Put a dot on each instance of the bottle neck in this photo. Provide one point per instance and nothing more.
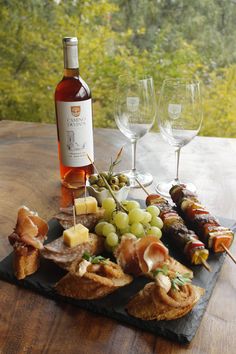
(71, 72)
(71, 61)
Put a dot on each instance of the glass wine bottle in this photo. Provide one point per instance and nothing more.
(73, 104)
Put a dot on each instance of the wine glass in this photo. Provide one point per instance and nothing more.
(135, 112)
(179, 119)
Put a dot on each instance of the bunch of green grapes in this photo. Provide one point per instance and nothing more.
(136, 221)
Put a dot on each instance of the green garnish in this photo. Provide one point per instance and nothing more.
(94, 259)
(164, 270)
(180, 280)
(114, 163)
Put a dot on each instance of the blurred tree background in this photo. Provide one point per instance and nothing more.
(162, 38)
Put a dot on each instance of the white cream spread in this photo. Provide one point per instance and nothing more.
(83, 267)
(163, 281)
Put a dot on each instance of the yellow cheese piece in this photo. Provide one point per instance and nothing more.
(75, 235)
(86, 205)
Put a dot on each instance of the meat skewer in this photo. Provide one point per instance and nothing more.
(215, 237)
(175, 228)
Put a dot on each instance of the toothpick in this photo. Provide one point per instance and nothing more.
(204, 263)
(74, 219)
(228, 253)
(107, 185)
(85, 186)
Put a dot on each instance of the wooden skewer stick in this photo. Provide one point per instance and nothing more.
(228, 253)
(143, 188)
(108, 186)
(204, 263)
(74, 219)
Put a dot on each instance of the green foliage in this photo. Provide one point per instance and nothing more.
(162, 38)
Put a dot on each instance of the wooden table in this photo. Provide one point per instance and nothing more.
(29, 175)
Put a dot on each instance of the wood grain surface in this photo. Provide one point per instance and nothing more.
(29, 175)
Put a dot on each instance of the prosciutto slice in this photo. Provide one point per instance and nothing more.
(30, 229)
(140, 256)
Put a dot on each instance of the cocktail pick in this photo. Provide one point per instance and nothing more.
(204, 263)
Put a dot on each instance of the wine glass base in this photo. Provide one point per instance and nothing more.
(163, 188)
(144, 178)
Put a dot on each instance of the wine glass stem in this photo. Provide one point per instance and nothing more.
(133, 145)
(177, 156)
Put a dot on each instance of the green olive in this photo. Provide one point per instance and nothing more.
(95, 186)
(100, 189)
(123, 179)
(114, 180)
(93, 179)
(105, 175)
(100, 182)
(121, 185)
(114, 187)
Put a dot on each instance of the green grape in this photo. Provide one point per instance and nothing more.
(108, 228)
(132, 204)
(154, 231)
(156, 221)
(126, 230)
(109, 204)
(153, 210)
(99, 227)
(121, 220)
(136, 215)
(112, 239)
(137, 229)
(107, 215)
(128, 234)
(147, 217)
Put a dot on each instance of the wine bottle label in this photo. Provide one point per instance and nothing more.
(75, 132)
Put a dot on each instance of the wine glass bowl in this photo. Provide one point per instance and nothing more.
(179, 119)
(135, 111)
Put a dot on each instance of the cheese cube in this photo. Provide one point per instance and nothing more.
(75, 235)
(86, 205)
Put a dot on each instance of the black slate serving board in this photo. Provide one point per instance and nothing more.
(181, 330)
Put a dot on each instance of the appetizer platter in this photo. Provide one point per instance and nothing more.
(143, 262)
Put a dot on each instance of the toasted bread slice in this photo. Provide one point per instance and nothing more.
(148, 306)
(25, 261)
(98, 281)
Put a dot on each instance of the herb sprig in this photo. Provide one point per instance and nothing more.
(164, 270)
(115, 163)
(180, 280)
(177, 281)
(94, 259)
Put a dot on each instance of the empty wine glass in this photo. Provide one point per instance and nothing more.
(179, 119)
(135, 111)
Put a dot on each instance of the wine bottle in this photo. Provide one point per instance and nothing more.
(73, 104)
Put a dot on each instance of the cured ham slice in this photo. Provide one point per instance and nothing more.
(137, 256)
(27, 239)
(30, 229)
